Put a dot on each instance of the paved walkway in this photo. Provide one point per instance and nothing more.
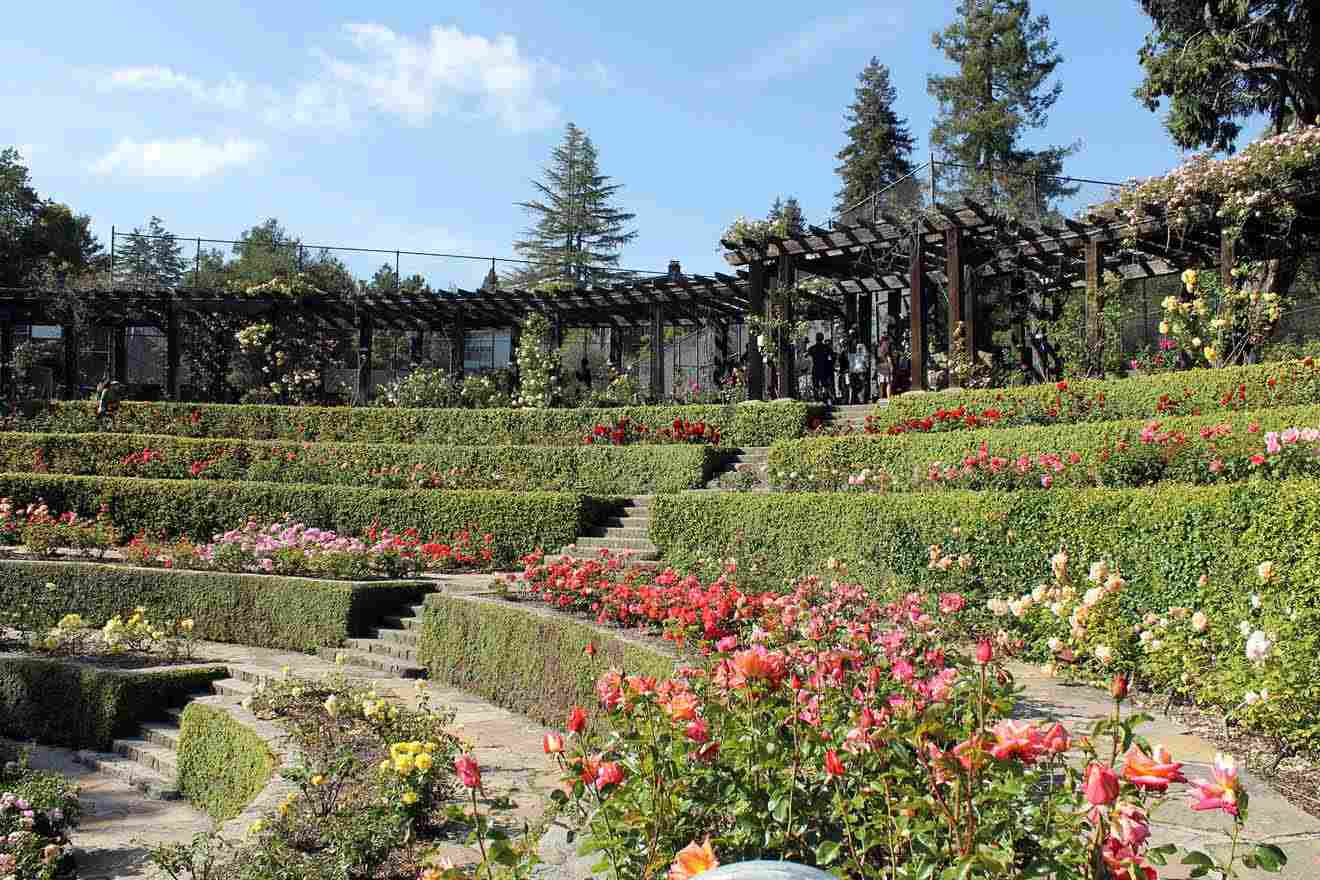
(1272, 819)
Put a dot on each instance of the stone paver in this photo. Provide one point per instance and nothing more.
(119, 823)
(1272, 819)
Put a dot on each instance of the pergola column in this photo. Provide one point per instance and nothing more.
(755, 306)
(1227, 258)
(120, 334)
(616, 348)
(865, 333)
(1095, 303)
(458, 347)
(784, 284)
(657, 351)
(172, 354)
(364, 358)
(953, 269)
(70, 362)
(6, 357)
(917, 310)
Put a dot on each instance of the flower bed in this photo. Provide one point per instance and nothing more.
(1195, 449)
(198, 509)
(1193, 392)
(745, 424)
(37, 811)
(594, 469)
(626, 432)
(850, 733)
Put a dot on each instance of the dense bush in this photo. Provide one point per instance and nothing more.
(249, 609)
(598, 469)
(199, 509)
(84, 707)
(223, 764)
(523, 657)
(37, 810)
(1206, 448)
(746, 424)
(1193, 392)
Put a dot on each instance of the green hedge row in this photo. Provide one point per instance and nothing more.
(746, 424)
(627, 470)
(1190, 392)
(223, 764)
(527, 658)
(197, 509)
(902, 456)
(61, 703)
(265, 611)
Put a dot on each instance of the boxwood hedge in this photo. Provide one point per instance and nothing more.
(527, 658)
(901, 456)
(1190, 392)
(627, 470)
(198, 509)
(223, 764)
(745, 424)
(80, 706)
(265, 611)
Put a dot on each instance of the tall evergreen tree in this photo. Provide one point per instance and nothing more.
(1001, 90)
(149, 259)
(578, 230)
(790, 212)
(879, 148)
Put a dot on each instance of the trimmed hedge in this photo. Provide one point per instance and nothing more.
(266, 611)
(198, 509)
(746, 424)
(628, 470)
(525, 657)
(223, 764)
(61, 703)
(1190, 392)
(901, 456)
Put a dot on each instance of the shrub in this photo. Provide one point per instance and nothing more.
(745, 424)
(1207, 448)
(522, 657)
(1194, 392)
(85, 707)
(520, 521)
(37, 810)
(598, 469)
(260, 610)
(223, 764)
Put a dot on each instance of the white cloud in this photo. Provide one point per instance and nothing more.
(187, 158)
(447, 72)
(231, 94)
(810, 45)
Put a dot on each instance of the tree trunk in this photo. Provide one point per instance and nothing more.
(1275, 275)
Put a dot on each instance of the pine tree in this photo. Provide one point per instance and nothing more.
(1005, 58)
(578, 231)
(790, 212)
(879, 148)
(149, 259)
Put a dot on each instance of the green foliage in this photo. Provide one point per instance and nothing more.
(265, 611)
(223, 764)
(879, 148)
(422, 387)
(746, 424)
(594, 469)
(537, 361)
(1191, 392)
(526, 658)
(85, 707)
(199, 509)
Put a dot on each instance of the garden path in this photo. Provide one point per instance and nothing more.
(1272, 818)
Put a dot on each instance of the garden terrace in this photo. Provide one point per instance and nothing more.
(950, 253)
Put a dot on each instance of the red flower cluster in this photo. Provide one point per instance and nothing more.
(143, 458)
(949, 419)
(627, 431)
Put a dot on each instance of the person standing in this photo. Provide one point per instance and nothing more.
(822, 369)
(858, 364)
(884, 368)
(583, 376)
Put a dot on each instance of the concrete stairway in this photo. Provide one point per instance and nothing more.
(755, 458)
(851, 417)
(392, 647)
(628, 530)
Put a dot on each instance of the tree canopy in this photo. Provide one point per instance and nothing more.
(879, 148)
(40, 240)
(1220, 62)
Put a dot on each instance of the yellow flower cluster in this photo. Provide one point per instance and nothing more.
(287, 804)
(406, 757)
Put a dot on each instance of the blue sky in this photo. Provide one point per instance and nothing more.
(419, 125)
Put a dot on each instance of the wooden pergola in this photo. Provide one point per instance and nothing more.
(954, 247)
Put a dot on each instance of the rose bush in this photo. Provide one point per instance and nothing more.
(37, 811)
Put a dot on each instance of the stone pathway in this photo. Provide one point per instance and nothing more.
(1272, 819)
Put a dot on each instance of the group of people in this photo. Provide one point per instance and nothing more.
(843, 377)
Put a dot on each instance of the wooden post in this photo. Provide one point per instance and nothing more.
(865, 335)
(1095, 303)
(657, 350)
(458, 348)
(171, 354)
(70, 363)
(755, 306)
(364, 359)
(6, 358)
(849, 312)
(917, 308)
(1227, 259)
(787, 363)
(953, 270)
(970, 311)
(616, 349)
(121, 353)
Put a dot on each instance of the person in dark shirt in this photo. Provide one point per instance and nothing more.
(822, 369)
(583, 375)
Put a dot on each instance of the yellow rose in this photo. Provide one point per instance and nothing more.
(1189, 279)
(403, 763)
(1164, 328)
(409, 798)
(1210, 353)
(318, 779)
(423, 761)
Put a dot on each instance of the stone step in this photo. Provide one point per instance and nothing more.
(151, 783)
(402, 636)
(378, 662)
(150, 755)
(642, 502)
(637, 532)
(400, 622)
(640, 557)
(397, 650)
(617, 543)
(626, 522)
(161, 733)
(234, 687)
